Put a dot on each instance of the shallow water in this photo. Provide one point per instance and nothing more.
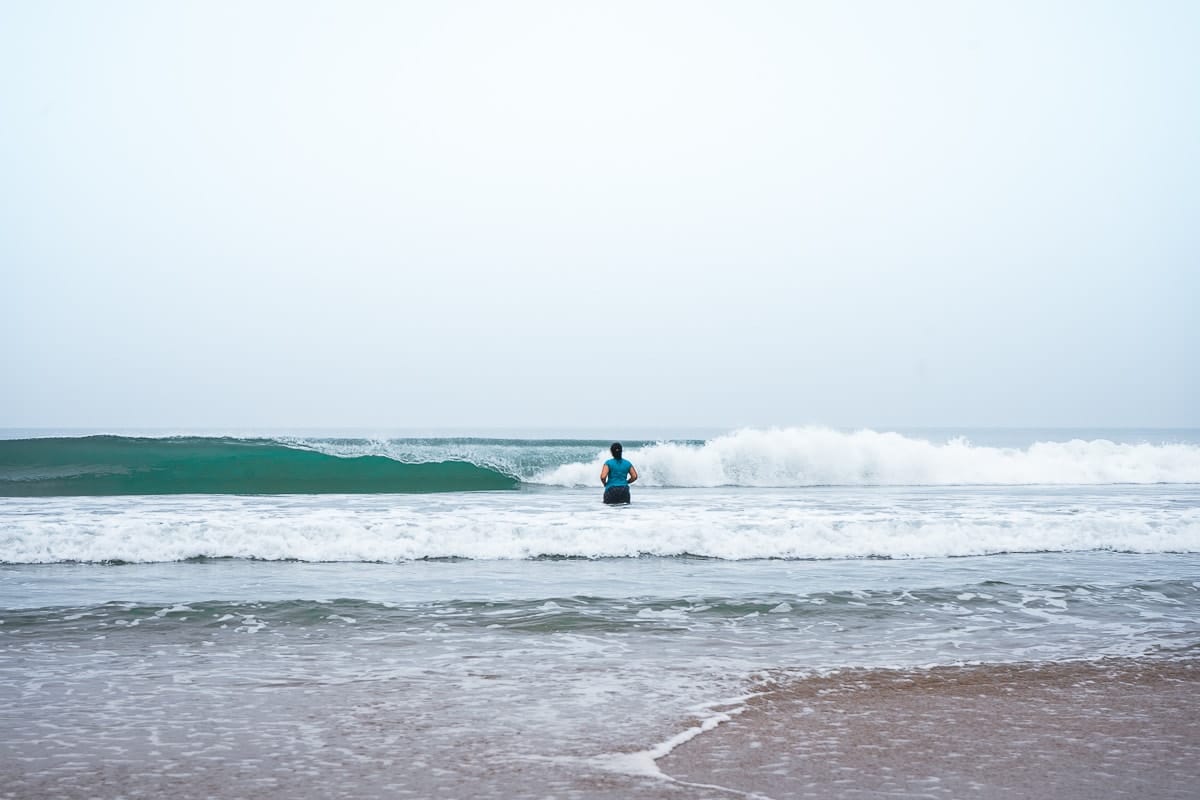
(524, 671)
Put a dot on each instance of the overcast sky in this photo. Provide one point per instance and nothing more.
(568, 214)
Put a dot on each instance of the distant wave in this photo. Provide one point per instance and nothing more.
(824, 457)
(788, 457)
(118, 465)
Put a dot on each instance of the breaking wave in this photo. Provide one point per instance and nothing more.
(825, 457)
(788, 457)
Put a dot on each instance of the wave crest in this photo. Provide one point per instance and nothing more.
(815, 456)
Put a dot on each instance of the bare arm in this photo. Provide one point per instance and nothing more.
(632, 473)
(604, 475)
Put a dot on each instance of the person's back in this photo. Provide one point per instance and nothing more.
(616, 475)
(618, 471)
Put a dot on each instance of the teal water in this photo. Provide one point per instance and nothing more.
(115, 465)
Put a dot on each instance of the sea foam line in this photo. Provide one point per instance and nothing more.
(151, 533)
(644, 763)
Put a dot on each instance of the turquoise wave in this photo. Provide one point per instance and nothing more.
(119, 465)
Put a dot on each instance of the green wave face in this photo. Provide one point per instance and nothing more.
(116, 465)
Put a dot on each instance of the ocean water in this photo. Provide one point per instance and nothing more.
(343, 615)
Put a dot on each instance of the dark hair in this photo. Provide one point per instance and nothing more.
(615, 449)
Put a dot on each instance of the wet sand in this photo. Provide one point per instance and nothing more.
(1122, 728)
(1081, 730)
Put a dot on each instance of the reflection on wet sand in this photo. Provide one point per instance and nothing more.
(1111, 728)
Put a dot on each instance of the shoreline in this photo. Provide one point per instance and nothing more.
(1110, 728)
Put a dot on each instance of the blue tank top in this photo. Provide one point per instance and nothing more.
(618, 472)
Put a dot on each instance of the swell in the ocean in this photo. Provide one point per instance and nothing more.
(118, 465)
(776, 458)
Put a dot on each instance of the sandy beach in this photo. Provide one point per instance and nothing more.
(1116, 728)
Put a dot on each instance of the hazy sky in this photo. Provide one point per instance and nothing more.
(564, 214)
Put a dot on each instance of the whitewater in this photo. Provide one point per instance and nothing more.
(825, 457)
(720, 523)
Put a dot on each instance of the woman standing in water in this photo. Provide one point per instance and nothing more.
(616, 475)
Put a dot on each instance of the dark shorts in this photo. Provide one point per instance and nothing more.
(616, 495)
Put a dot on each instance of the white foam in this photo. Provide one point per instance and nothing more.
(512, 526)
(644, 763)
(815, 456)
